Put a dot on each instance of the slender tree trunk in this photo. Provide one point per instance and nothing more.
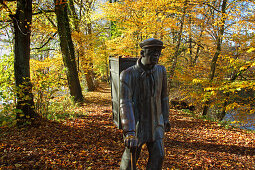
(89, 75)
(22, 31)
(67, 49)
(198, 48)
(219, 40)
(177, 48)
(88, 72)
(190, 41)
(218, 51)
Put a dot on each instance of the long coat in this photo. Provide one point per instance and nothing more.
(144, 103)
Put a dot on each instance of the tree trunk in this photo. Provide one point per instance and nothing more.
(67, 49)
(219, 40)
(22, 31)
(190, 41)
(177, 47)
(198, 48)
(217, 53)
(89, 75)
(88, 72)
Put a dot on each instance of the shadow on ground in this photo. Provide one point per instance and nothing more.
(91, 141)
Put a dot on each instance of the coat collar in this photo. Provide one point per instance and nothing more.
(142, 69)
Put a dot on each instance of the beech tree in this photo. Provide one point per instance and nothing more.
(67, 49)
(177, 50)
(22, 21)
(219, 38)
(84, 60)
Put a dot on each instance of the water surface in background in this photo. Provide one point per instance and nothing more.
(250, 119)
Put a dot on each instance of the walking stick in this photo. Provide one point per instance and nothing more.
(133, 158)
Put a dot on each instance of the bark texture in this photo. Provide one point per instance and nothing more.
(67, 49)
(177, 47)
(219, 39)
(81, 50)
(22, 30)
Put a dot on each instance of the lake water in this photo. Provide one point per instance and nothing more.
(250, 119)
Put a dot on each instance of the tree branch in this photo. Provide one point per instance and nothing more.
(195, 42)
(211, 6)
(234, 77)
(53, 24)
(43, 11)
(45, 42)
(48, 49)
(5, 6)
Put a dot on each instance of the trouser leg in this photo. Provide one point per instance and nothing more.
(156, 155)
(125, 163)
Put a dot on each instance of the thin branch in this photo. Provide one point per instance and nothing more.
(211, 6)
(211, 34)
(80, 11)
(195, 42)
(48, 49)
(43, 11)
(6, 7)
(54, 25)
(234, 77)
(37, 48)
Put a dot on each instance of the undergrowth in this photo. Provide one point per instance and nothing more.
(58, 109)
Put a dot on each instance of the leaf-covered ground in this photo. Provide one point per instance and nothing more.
(91, 141)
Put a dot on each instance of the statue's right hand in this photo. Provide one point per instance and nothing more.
(131, 140)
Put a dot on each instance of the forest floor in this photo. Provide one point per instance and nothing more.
(91, 141)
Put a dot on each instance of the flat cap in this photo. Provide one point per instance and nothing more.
(151, 42)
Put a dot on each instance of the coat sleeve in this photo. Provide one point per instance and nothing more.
(164, 97)
(126, 106)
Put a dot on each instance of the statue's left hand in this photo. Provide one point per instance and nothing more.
(131, 141)
(167, 126)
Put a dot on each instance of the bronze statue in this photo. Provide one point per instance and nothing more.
(144, 107)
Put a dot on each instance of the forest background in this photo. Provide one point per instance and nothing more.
(60, 46)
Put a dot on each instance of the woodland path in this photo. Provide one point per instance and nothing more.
(91, 141)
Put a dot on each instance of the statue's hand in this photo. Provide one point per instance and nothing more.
(131, 140)
(167, 126)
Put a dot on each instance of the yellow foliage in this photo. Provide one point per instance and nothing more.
(251, 50)
(47, 77)
(197, 81)
(138, 20)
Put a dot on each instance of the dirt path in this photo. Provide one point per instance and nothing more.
(91, 141)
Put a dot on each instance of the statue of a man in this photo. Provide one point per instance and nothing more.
(144, 106)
